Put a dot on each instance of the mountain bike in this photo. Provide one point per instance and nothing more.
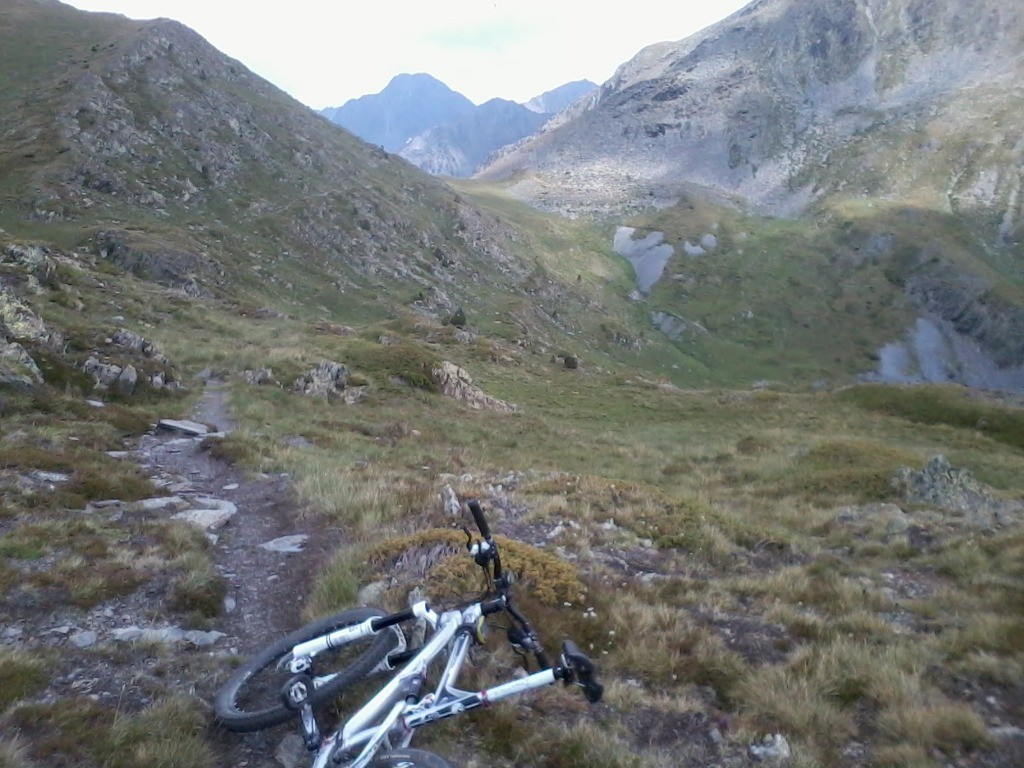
(315, 664)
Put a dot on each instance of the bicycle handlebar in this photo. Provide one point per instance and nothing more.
(488, 557)
(479, 519)
(578, 667)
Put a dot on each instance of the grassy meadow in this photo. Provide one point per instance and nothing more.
(739, 552)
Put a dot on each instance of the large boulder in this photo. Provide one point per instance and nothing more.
(183, 268)
(134, 342)
(19, 323)
(104, 374)
(33, 259)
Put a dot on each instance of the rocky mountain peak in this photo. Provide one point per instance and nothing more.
(409, 105)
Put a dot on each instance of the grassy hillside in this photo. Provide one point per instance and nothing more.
(816, 298)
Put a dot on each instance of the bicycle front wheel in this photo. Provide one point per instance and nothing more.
(409, 758)
(251, 698)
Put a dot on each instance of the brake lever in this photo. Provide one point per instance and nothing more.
(582, 671)
(517, 639)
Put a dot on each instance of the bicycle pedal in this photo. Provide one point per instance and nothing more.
(296, 692)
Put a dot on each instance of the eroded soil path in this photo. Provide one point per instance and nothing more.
(265, 588)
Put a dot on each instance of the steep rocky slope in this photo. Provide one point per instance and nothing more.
(557, 99)
(892, 128)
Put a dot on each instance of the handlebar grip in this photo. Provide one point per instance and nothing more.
(478, 518)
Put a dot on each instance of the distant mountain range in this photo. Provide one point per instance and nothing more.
(441, 131)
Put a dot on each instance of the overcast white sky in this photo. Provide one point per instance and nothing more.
(325, 52)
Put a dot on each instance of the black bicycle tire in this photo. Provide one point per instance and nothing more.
(409, 758)
(225, 704)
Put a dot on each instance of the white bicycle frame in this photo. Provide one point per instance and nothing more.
(389, 718)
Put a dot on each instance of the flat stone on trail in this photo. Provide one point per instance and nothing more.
(84, 639)
(215, 514)
(160, 502)
(287, 544)
(127, 634)
(291, 752)
(209, 502)
(167, 635)
(188, 427)
(50, 477)
(200, 638)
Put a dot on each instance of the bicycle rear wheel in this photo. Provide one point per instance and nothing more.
(409, 758)
(250, 700)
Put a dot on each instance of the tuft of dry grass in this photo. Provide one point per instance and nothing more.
(86, 583)
(583, 745)
(336, 587)
(22, 672)
(361, 498)
(780, 700)
(167, 733)
(934, 724)
(198, 588)
(71, 731)
(14, 753)
(856, 471)
(437, 558)
(665, 649)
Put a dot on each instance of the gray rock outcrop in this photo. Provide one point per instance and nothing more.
(327, 379)
(111, 377)
(455, 382)
(781, 102)
(17, 368)
(956, 490)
